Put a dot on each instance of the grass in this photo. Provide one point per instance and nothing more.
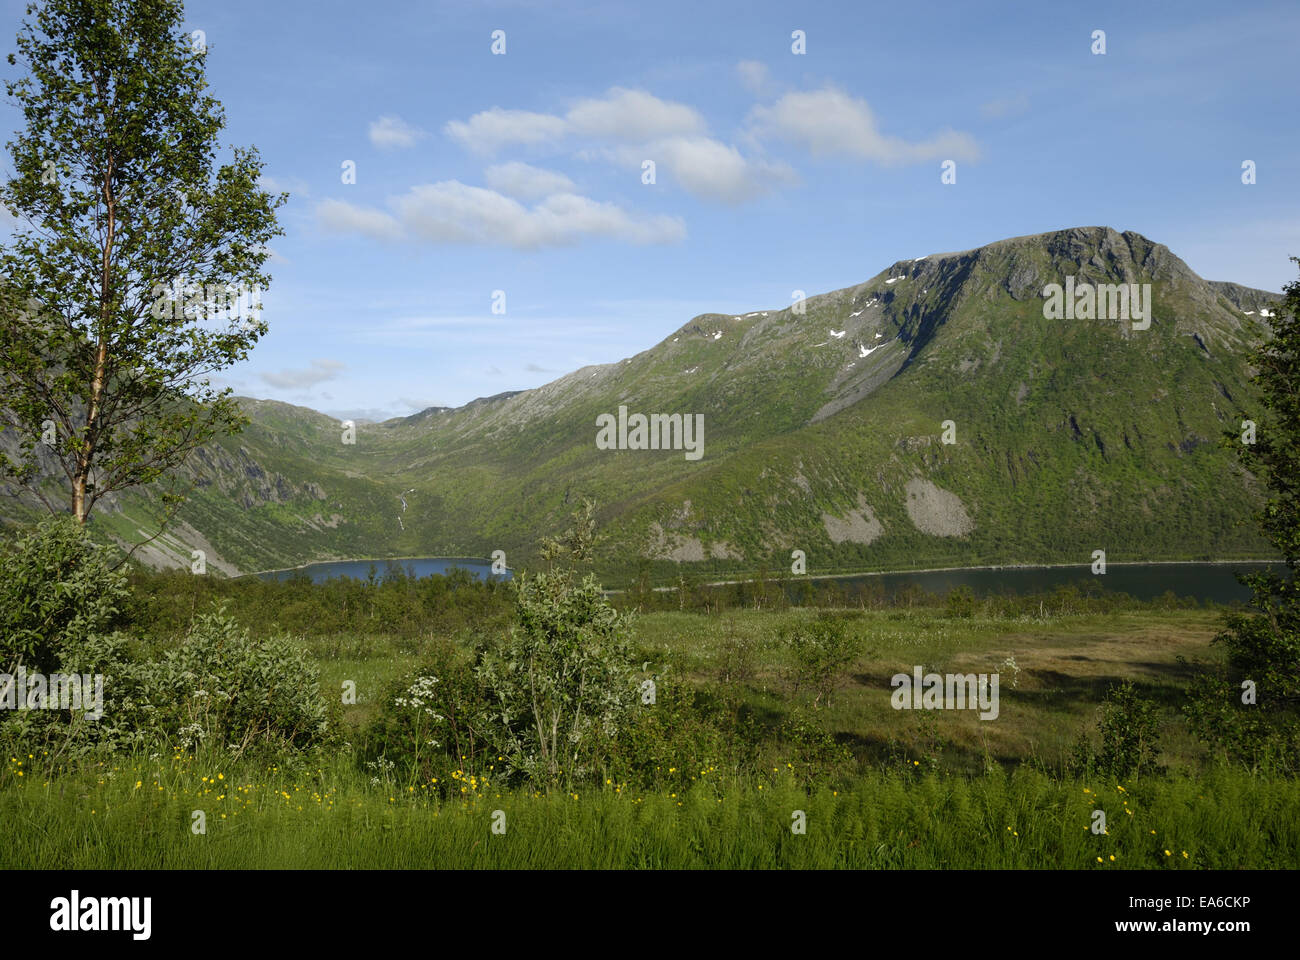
(924, 789)
(140, 815)
(1066, 664)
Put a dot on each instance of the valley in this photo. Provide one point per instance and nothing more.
(833, 445)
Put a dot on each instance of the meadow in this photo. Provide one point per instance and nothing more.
(757, 770)
(139, 816)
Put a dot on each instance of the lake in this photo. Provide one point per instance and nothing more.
(1145, 581)
(415, 567)
(1204, 581)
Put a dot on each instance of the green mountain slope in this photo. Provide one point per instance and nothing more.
(822, 432)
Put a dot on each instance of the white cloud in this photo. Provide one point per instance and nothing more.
(392, 132)
(707, 168)
(318, 372)
(453, 212)
(620, 115)
(830, 121)
(365, 414)
(490, 130)
(339, 216)
(633, 126)
(753, 75)
(526, 182)
(633, 115)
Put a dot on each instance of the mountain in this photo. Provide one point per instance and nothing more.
(823, 432)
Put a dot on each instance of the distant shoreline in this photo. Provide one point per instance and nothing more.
(817, 576)
(987, 566)
(374, 560)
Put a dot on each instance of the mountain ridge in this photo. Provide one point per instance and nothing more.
(823, 433)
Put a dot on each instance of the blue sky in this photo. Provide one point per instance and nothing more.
(775, 171)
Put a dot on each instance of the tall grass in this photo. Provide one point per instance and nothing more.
(139, 814)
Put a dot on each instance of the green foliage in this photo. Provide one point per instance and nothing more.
(561, 679)
(1263, 647)
(683, 734)
(118, 197)
(814, 753)
(1129, 739)
(1240, 731)
(433, 724)
(823, 652)
(222, 689)
(737, 658)
(57, 591)
(163, 604)
(103, 723)
(59, 597)
(961, 602)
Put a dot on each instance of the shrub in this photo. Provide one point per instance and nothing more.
(960, 602)
(560, 681)
(813, 752)
(1127, 726)
(222, 689)
(737, 657)
(823, 651)
(59, 597)
(433, 725)
(57, 589)
(680, 735)
(1236, 726)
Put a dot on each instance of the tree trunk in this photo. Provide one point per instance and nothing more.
(86, 456)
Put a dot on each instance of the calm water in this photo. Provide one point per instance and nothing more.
(1205, 581)
(360, 569)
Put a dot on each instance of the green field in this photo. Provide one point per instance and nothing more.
(328, 817)
(919, 789)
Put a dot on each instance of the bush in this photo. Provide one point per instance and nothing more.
(737, 657)
(59, 597)
(814, 753)
(823, 651)
(681, 735)
(433, 726)
(561, 681)
(1128, 732)
(57, 589)
(960, 602)
(222, 689)
(1263, 648)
